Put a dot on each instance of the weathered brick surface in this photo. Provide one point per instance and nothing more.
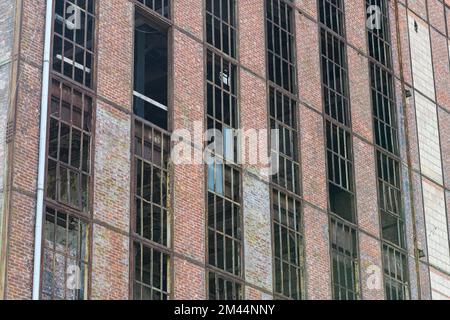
(419, 7)
(187, 14)
(252, 45)
(355, 12)
(440, 47)
(318, 273)
(112, 167)
(254, 294)
(444, 130)
(110, 264)
(371, 268)
(189, 281)
(366, 187)
(437, 15)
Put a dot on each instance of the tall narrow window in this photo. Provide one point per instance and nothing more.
(224, 236)
(285, 184)
(221, 25)
(150, 72)
(73, 40)
(150, 223)
(385, 126)
(343, 228)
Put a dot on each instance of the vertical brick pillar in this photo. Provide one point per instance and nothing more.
(112, 167)
(254, 114)
(189, 201)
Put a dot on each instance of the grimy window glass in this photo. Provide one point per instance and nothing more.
(287, 226)
(282, 118)
(152, 148)
(150, 72)
(65, 265)
(151, 273)
(280, 44)
(160, 6)
(221, 25)
(285, 184)
(344, 257)
(69, 146)
(73, 40)
(342, 211)
(224, 230)
(387, 151)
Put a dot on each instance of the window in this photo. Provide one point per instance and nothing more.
(66, 257)
(152, 149)
(379, 37)
(73, 40)
(280, 44)
(150, 73)
(387, 152)
(344, 255)
(282, 118)
(335, 78)
(395, 273)
(222, 106)
(69, 146)
(151, 271)
(332, 15)
(223, 289)
(160, 6)
(288, 241)
(340, 171)
(343, 234)
(385, 119)
(221, 25)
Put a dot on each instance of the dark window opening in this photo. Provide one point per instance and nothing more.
(221, 25)
(395, 274)
(221, 288)
(332, 15)
(150, 73)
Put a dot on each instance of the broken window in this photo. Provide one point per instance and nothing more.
(387, 152)
(220, 288)
(69, 147)
(151, 273)
(160, 6)
(395, 273)
(73, 40)
(150, 72)
(343, 234)
(152, 148)
(340, 171)
(288, 242)
(344, 255)
(65, 258)
(221, 25)
(281, 44)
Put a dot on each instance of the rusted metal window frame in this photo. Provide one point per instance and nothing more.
(226, 18)
(151, 4)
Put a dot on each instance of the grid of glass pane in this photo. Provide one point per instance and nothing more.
(288, 245)
(160, 6)
(152, 148)
(378, 31)
(73, 40)
(69, 167)
(280, 44)
(151, 270)
(221, 288)
(221, 25)
(384, 112)
(335, 77)
(388, 163)
(282, 118)
(224, 235)
(332, 15)
(396, 273)
(344, 256)
(65, 264)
